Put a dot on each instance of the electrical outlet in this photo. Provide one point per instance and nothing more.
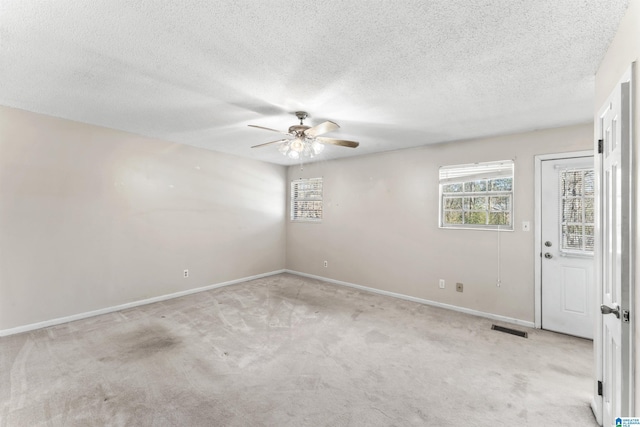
(186, 274)
(441, 283)
(326, 264)
(459, 287)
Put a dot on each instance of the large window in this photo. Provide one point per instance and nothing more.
(478, 195)
(306, 199)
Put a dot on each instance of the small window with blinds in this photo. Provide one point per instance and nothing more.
(478, 195)
(306, 200)
(577, 211)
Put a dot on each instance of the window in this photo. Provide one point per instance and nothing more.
(478, 195)
(306, 199)
(577, 211)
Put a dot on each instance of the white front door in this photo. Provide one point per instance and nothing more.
(613, 252)
(568, 233)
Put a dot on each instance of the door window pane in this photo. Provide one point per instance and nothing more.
(577, 210)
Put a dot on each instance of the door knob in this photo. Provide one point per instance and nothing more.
(548, 255)
(547, 244)
(605, 309)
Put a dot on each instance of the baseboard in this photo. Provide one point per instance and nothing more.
(420, 300)
(79, 316)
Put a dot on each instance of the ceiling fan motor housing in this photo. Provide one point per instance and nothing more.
(298, 130)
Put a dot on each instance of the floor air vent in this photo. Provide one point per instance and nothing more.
(509, 331)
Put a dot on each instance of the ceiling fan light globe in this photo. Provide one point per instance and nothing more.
(317, 147)
(293, 154)
(307, 152)
(297, 145)
(284, 148)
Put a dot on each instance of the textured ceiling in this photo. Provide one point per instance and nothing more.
(393, 74)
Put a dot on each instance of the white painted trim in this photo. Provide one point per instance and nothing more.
(419, 300)
(634, 232)
(538, 225)
(79, 316)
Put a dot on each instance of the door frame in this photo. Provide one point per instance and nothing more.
(538, 223)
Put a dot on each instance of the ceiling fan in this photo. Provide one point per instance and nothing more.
(305, 140)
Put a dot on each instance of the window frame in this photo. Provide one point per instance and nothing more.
(295, 198)
(472, 174)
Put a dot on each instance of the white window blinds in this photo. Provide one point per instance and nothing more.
(577, 210)
(476, 171)
(306, 199)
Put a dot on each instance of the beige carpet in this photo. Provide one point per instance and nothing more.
(291, 351)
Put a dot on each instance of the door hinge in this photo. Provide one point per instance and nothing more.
(600, 147)
(599, 388)
(625, 316)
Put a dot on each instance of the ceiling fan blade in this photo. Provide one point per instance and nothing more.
(340, 142)
(267, 143)
(320, 129)
(272, 130)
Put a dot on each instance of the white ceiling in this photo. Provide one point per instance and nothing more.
(393, 74)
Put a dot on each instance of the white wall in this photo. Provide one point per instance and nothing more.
(625, 49)
(92, 218)
(380, 226)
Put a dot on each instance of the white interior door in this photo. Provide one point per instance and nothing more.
(614, 253)
(568, 235)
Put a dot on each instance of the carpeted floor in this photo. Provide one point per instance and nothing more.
(291, 351)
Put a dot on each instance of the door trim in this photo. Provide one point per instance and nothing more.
(538, 224)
